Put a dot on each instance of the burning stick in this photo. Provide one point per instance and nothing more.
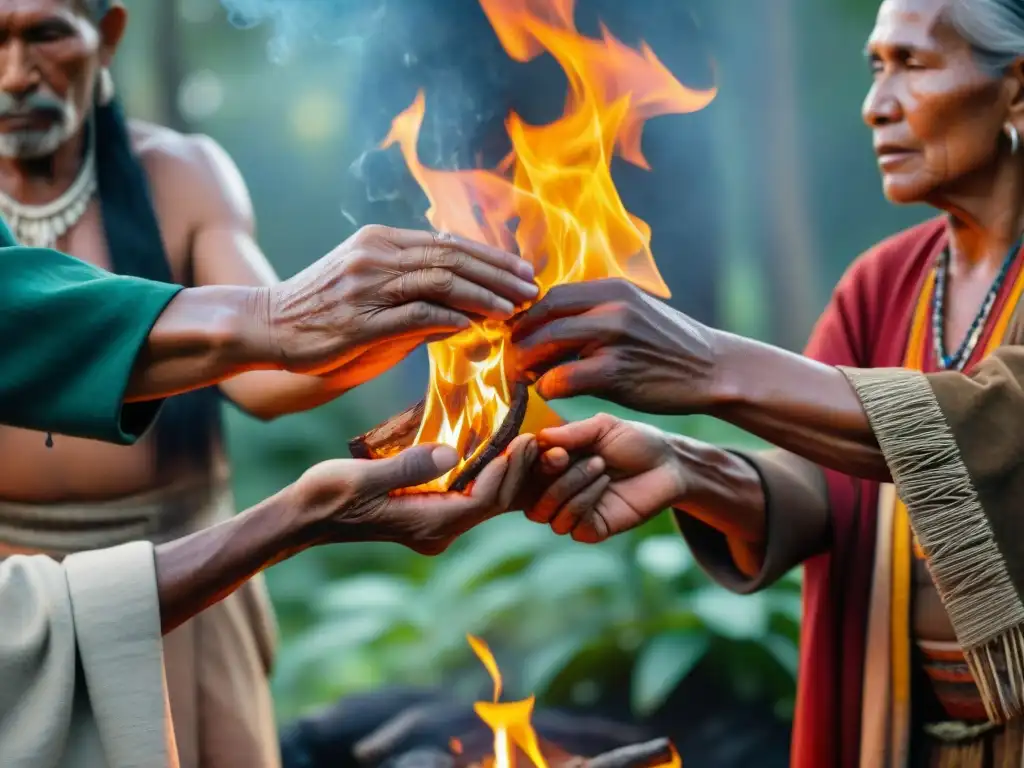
(399, 431)
(646, 755)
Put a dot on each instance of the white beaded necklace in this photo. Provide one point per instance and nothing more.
(40, 226)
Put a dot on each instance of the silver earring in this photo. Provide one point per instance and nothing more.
(105, 88)
(1014, 136)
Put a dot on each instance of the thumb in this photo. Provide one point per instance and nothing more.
(413, 466)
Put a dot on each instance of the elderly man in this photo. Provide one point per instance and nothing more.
(87, 353)
(146, 201)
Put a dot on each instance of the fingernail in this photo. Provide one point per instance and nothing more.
(596, 464)
(444, 457)
(531, 289)
(505, 307)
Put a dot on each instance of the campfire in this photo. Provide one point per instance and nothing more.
(514, 734)
(552, 199)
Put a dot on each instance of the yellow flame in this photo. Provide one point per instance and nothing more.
(511, 721)
(552, 197)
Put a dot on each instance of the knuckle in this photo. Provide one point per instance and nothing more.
(439, 281)
(419, 313)
(358, 263)
(368, 233)
(623, 288)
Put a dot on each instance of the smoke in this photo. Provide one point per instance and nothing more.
(296, 22)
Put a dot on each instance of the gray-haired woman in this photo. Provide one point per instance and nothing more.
(911, 654)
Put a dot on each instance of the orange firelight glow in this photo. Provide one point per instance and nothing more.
(552, 197)
(510, 721)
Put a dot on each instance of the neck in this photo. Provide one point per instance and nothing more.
(40, 180)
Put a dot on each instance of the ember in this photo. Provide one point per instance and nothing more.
(553, 199)
(511, 724)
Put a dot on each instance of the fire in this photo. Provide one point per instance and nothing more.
(510, 721)
(552, 197)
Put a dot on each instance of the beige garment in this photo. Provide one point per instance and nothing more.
(217, 663)
(80, 662)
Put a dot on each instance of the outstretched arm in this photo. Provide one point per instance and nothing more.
(80, 342)
(225, 252)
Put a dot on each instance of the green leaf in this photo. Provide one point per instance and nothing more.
(666, 557)
(373, 592)
(491, 545)
(784, 651)
(662, 664)
(737, 617)
(542, 666)
(576, 569)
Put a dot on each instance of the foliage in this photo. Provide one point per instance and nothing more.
(565, 615)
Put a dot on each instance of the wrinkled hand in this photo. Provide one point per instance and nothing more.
(352, 500)
(642, 476)
(385, 291)
(609, 339)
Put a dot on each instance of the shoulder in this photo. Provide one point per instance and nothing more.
(192, 169)
(897, 258)
(894, 266)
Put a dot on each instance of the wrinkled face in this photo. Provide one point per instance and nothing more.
(936, 118)
(49, 64)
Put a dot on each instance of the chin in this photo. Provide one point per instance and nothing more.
(903, 190)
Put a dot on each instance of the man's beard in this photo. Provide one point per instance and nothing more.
(35, 145)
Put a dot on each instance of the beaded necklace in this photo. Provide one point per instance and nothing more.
(959, 358)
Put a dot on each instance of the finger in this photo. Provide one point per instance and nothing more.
(413, 466)
(446, 289)
(456, 513)
(418, 317)
(567, 300)
(503, 282)
(581, 474)
(574, 510)
(576, 436)
(565, 339)
(522, 453)
(592, 376)
(554, 461)
(408, 239)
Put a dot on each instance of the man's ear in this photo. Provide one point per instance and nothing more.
(111, 28)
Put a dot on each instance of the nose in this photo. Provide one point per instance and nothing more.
(881, 107)
(18, 74)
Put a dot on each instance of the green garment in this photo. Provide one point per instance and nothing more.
(80, 647)
(71, 333)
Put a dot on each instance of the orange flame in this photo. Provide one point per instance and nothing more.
(510, 721)
(557, 184)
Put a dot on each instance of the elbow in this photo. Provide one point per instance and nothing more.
(264, 413)
(261, 409)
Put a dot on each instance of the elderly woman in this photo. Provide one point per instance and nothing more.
(912, 641)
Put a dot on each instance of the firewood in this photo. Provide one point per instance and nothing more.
(646, 755)
(398, 433)
(499, 441)
(389, 437)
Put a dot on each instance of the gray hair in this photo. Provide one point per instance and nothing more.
(993, 28)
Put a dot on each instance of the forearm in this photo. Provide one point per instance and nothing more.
(196, 571)
(796, 403)
(750, 518)
(724, 492)
(270, 394)
(205, 335)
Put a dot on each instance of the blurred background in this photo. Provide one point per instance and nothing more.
(757, 204)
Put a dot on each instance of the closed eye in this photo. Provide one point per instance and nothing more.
(48, 31)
